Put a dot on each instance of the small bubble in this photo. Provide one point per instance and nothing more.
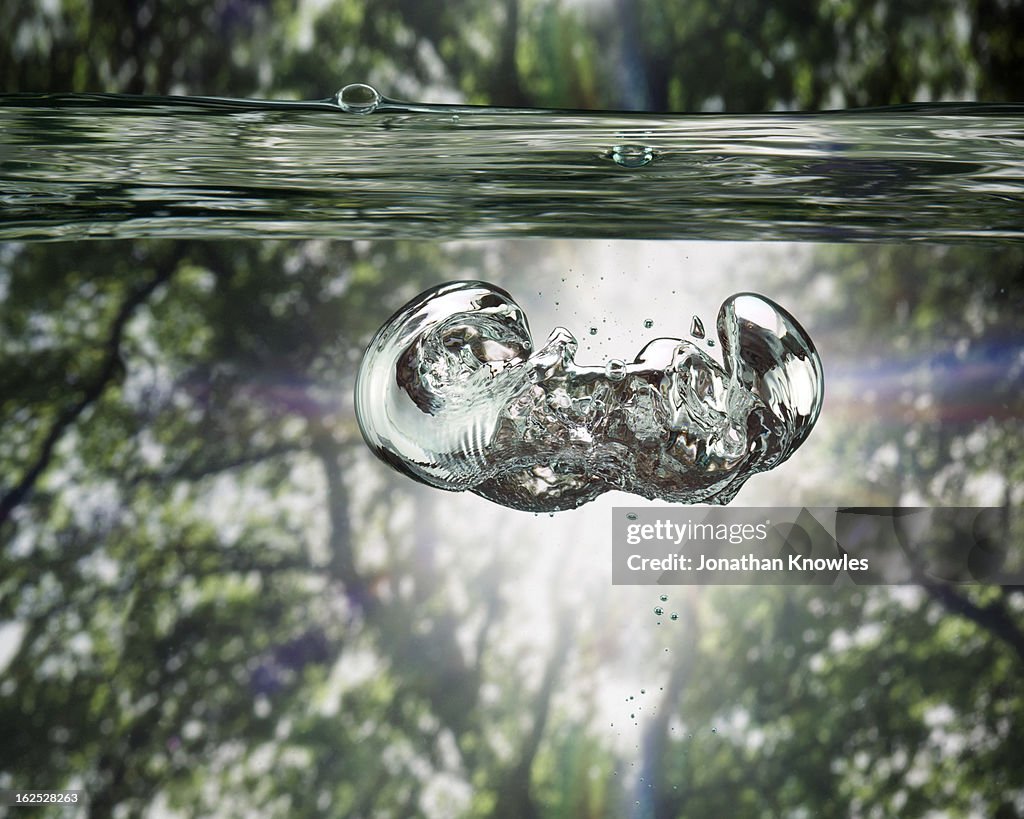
(593, 331)
(663, 598)
(615, 369)
(648, 323)
(711, 342)
(659, 610)
(632, 716)
(697, 328)
(673, 616)
(643, 690)
(631, 156)
(714, 730)
(455, 119)
(631, 516)
(358, 98)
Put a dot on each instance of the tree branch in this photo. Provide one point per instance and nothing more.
(92, 391)
(994, 617)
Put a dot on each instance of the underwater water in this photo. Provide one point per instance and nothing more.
(452, 392)
(360, 166)
(664, 377)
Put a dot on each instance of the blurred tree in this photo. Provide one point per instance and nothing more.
(180, 473)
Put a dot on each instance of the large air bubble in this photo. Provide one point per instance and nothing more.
(452, 393)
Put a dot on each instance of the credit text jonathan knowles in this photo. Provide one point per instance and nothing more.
(668, 532)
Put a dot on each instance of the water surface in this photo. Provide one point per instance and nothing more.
(80, 166)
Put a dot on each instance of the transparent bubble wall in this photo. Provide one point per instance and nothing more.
(452, 392)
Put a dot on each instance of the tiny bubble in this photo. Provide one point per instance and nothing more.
(648, 323)
(631, 516)
(674, 616)
(615, 369)
(663, 598)
(643, 690)
(630, 156)
(714, 730)
(593, 331)
(659, 610)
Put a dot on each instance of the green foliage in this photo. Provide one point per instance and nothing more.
(215, 602)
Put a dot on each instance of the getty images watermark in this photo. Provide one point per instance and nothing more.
(812, 546)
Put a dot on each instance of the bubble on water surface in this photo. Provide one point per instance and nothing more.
(358, 98)
(631, 156)
(452, 393)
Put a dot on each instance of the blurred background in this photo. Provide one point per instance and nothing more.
(214, 601)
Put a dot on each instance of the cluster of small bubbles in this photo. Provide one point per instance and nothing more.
(673, 616)
(615, 370)
(358, 98)
(659, 610)
(631, 156)
(697, 328)
(648, 324)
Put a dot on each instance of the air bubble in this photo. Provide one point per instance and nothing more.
(358, 98)
(631, 516)
(453, 392)
(631, 156)
(697, 328)
(673, 616)
(663, 598)
(659, 610)
(648, 324)
(615, 369)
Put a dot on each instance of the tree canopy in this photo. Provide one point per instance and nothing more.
(214, 601)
